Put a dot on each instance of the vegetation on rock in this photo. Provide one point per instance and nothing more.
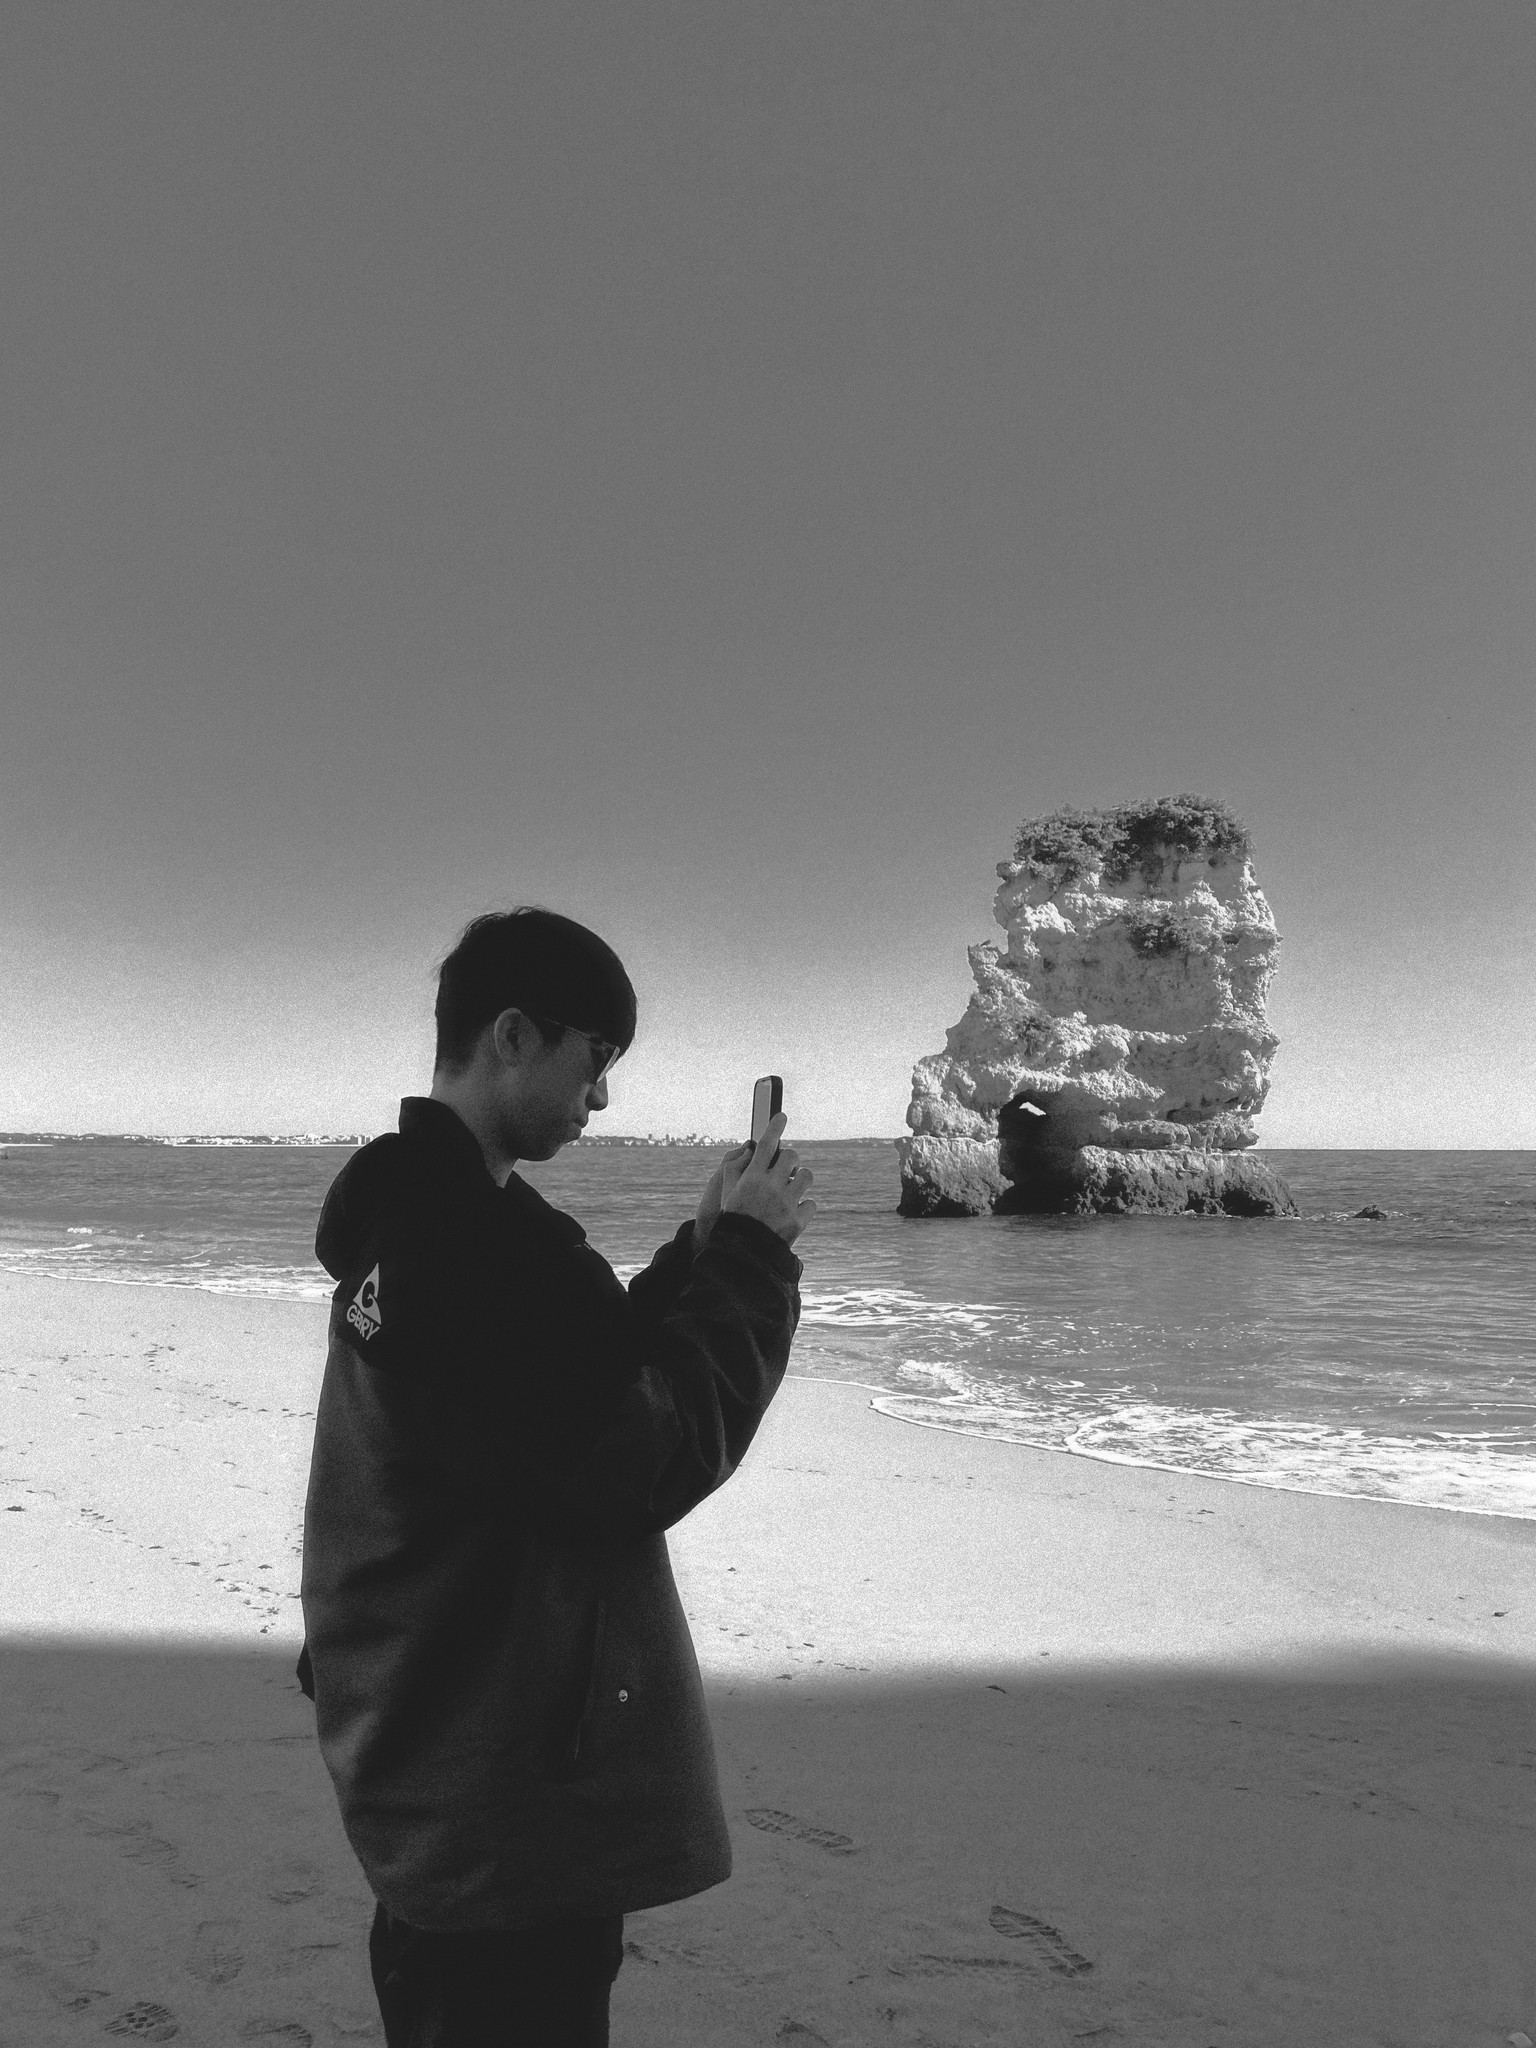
(1071, 843)
(1154, 932)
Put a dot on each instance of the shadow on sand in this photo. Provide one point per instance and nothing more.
(1011, 1855)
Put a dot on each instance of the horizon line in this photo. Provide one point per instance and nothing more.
(316, 1140)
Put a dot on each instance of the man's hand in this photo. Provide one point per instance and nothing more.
(778, 1195)
(727, 1172)
(744, 1182)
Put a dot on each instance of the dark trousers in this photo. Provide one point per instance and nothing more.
(497, 1987)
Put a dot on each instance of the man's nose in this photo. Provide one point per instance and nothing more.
(599, 1092)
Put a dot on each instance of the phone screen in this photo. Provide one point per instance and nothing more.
(767, 1101)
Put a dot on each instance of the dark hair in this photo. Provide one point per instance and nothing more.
(534, 960)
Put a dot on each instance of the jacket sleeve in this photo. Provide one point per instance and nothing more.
(706, 1377)
(608, 1418)
(653, 1290)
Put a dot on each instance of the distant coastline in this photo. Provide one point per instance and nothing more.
(23, 1138)
(316, 1139)
(20, 1140)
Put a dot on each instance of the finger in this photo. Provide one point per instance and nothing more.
(773, 1130)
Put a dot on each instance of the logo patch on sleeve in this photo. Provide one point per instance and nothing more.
(364, 1314)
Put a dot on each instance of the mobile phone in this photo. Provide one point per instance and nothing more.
(767, 1101)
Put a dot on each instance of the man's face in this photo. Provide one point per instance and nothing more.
(548, 1092)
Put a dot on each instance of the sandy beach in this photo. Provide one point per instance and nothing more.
(1016, 1747)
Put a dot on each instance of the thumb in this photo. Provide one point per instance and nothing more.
(737, 1162)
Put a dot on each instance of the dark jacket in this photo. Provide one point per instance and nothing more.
(506, 1693)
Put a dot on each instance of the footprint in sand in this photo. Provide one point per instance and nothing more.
(955, 1966)
(39, 1798)
(144, 2022)
(774, 1823)
(1045, 1943)
(88, 1760)
(49, 1931)
(215, 1957)
(134, 1839)
(351, 2023)
(677, 1951)
(289, 1884)
(81, 2001)
(277, 2030)
(292, 1962)
(657, 1950)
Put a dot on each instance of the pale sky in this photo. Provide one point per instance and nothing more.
(713, 470)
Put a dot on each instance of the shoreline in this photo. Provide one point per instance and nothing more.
(879, 1394)
(1439, 1507)
(157, 1436)
(1143, 1464)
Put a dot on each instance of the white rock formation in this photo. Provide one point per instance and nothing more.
(1115, 1052)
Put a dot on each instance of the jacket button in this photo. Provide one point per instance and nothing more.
(623, 1695)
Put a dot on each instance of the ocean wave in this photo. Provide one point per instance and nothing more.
(900, 1308)
(951, 1376)
(85, 1262)
(1483, 1472)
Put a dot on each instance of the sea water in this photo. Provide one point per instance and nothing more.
(1385, 1358)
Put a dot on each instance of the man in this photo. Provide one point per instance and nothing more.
(506, 1693)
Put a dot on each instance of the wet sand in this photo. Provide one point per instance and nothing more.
(1016, 1747)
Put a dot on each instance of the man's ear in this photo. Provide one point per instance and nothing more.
(509, 1036)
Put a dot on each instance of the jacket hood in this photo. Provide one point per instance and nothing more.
(433, 1144)
(369, 1182)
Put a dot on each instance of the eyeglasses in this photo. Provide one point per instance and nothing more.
(606, 1053)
